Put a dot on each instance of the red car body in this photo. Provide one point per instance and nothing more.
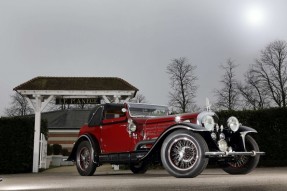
(113, 135)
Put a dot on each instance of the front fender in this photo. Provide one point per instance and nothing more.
(245, 129)
(85, 137)
(160, 139)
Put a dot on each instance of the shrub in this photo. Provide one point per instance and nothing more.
(16, 144)
(65, 152)
(57, 149)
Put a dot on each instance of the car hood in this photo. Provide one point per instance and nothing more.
(170, 118)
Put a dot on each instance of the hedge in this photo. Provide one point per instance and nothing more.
(271, 125)
(16, 144)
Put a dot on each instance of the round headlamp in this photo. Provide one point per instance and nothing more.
(208, 122)
(222, 145)
(233, 123)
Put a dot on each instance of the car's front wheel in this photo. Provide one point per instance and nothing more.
(85, 158)
(183, 154)
(243, 164)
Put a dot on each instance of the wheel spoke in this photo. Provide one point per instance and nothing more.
(84, 158)
(240, 161)
(183, 153)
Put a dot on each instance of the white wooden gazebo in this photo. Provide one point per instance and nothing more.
(40, 91)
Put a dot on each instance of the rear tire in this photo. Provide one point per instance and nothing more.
(85, 158)
(244, 164)
(139, 168)
(183, 154)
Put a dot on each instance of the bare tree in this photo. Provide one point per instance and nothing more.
(271, 70)
(19, 106)
(252, 92)
(139, 98)
(182, 82)
(227, 96)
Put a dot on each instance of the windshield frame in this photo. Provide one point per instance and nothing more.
(147, 106)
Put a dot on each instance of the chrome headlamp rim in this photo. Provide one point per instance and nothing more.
(208, 122)
(233, 123)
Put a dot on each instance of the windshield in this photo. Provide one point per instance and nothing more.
(145, 110)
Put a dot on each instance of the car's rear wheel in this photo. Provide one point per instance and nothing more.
(183, 154)
(85, 158)
(139, 168)
(244, 164)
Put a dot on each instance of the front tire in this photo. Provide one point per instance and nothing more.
(183, 154)
(244, 164)
(85, 158)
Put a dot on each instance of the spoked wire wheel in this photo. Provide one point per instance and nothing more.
(243, 164)
(85, 159)
(183, 154)
(239, 161)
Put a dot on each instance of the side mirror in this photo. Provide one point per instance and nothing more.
(124, 110)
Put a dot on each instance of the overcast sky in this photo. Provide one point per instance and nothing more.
(134, 40)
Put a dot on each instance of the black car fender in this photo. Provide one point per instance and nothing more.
(92, 141)
(243, 131)
(158, 142)
(246, 130)
(238, 137)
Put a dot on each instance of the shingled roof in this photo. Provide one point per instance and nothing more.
(76, 83)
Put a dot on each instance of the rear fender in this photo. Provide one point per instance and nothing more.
(92, 141)
(161, 138)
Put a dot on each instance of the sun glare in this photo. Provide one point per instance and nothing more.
(255, 16)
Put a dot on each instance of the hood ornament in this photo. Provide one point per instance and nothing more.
(208, 105)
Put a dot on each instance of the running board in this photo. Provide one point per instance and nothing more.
(122, 158)
(223, 154)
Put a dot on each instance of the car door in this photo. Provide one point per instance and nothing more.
(115, 137)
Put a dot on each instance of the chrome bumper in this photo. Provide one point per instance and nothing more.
(224, 154)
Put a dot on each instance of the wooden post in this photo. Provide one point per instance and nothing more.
(36, 152)
(38, 107)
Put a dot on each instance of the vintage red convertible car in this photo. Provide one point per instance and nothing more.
(140, 134)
